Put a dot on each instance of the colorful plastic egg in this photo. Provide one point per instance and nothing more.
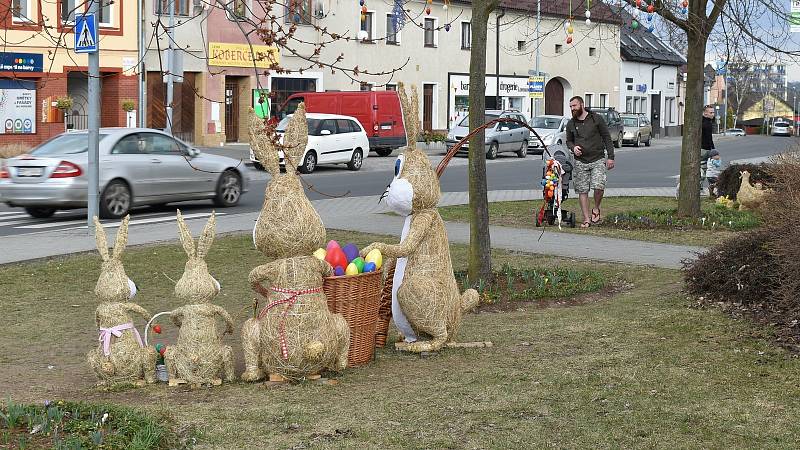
(369, 267)
(338, 271)
(352, 269)
(320, 254)
(375, 257)
(331, 244)
(359, 262)
(336, 257)
(350, 251)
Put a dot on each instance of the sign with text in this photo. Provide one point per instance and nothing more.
(794, 17)
(242, 55)
(536, 87)
(21, 62)
(17, 111)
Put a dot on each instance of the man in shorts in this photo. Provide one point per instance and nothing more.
(590, 142)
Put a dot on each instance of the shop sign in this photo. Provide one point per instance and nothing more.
(17, 111)
(21, 62)
(536, 87)
(242, 55)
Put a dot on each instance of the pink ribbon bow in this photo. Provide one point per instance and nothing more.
(293, 297)
(106, 333)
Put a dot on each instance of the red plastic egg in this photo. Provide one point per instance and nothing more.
(157, 329)
(569, 39)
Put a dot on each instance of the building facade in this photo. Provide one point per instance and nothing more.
(39, 71)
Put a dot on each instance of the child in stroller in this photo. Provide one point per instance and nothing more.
(547, 213)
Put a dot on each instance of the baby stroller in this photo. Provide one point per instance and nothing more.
(547, 213)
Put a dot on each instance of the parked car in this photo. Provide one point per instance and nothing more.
(781, 129)
(502, 137)
(138, 166)
(378, 112)
(614, 123)
(734, 132)
(636, 129)
(552, 130)
(332, 139)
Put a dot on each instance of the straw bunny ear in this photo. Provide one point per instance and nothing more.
(100, 238)
(122, 237)
(410, 113)
(207, 238)
(186, 237)
(261, 142)
(296, 137)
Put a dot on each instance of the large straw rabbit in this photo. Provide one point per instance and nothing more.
(199, 356)
(120, 356)
(425, 297)
(294, 335)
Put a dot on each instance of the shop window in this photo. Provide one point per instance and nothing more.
(392, 33)
(466, 35)
(21, 10)
(162, 7)
(299, 12)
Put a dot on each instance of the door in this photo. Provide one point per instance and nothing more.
(554, 98)
(131, 156)
(330, 146)
(427, 107)
(347, 138)
(655, 114)
(173, 172)
(231, 111)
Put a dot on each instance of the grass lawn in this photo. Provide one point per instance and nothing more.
(627, 211)
(634, 369)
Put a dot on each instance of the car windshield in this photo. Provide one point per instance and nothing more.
(313, 124)
(603, 114)
(630, 121)
(65, 144)
(551, 123)
(488, 118)
(781, 124)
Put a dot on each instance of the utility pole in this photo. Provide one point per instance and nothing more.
(94, 126)
(142, 120)
(171, 64)
(538, 73)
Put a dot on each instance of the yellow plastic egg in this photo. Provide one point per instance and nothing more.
(320, 254)
(352, 269)
(375, 257)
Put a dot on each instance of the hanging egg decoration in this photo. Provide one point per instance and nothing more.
(570, 29)
(428, 8)
(634, 24)
(650, 29)
(650, 9)
(588, 15)
(447, 27)
(361, 2)
(638, 3)
(569, 39)
(649, 17)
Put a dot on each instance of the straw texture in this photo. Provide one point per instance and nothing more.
(127, 360)
(293, 335)
(199, 357)
(428, 294)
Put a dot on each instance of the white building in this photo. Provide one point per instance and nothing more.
(649, 79)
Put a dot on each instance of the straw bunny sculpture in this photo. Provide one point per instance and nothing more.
(199, 356)
(120, 356)
(294, 335)
(425, 297)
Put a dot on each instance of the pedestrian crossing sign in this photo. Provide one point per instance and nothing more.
(85, 33)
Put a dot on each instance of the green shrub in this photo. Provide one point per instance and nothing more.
(428, 136)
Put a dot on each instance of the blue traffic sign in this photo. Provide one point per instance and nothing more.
(85, 33)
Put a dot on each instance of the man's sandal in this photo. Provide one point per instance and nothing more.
(596, 219)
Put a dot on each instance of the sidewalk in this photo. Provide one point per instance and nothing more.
(365, 214)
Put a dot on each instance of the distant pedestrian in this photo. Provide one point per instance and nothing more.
(706, 140)
(713, 169)
(590, 142)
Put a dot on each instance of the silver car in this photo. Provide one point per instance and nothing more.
(138, 166)
(636, 129)
(552, 130)
(502, 137)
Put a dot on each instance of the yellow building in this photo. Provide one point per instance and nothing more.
(38, 67)
(769, 106)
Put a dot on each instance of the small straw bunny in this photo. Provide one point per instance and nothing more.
(425, 297)
(120, 357)
(294, 335)
(199, 356)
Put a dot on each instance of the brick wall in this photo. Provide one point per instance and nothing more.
(116, 88)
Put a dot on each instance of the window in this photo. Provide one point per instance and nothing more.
(466, 35)
(592, 51)
(161, 145)
(329, 125)
(366, 25)
(236, 10)
(133, 144)
(587, 99)
(603, 100)
(354, 127)
(630, 87)
(392, 34)
(344, 126)
(298, 11)
(669, 104)
(21, 10)
(391, 87)
(105, 17)
(629, 80)
(68, 8)
(181, 7)
(629, 104)
(430, 32)
(558, 49)
(521, 46)
(366, 86)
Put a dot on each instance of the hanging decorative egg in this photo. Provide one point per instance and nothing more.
(638, 3)
(649, 17)
(363, 17)
(428, 10)
(588, 22)
(447, 27)
(569, 39)
(634, 24)
(361, 2)
(364, 9)
(650, 29)
(588, 14)
(651, 8)
(444, 7)
(685, 11)
(685, 3)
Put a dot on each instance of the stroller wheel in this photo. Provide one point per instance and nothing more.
(571, 220)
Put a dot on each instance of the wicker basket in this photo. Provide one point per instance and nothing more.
(385, 309)
(356, 297)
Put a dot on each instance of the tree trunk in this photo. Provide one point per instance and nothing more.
(689, 191)
(480, 255)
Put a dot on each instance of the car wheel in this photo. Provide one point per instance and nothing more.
(40, 213)
(523, 152)
(356, 160)
(258, 166)
(384, 151)
(492, 152)
(309, 163)
(229, 189)
(638, 140)
(116, 200)
(618, 143)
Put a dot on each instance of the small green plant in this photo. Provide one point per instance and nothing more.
(64, 103)
(128, 105)
(529, 284)
(428, 136)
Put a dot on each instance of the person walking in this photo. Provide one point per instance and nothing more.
(706, 141)
(589, 140)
